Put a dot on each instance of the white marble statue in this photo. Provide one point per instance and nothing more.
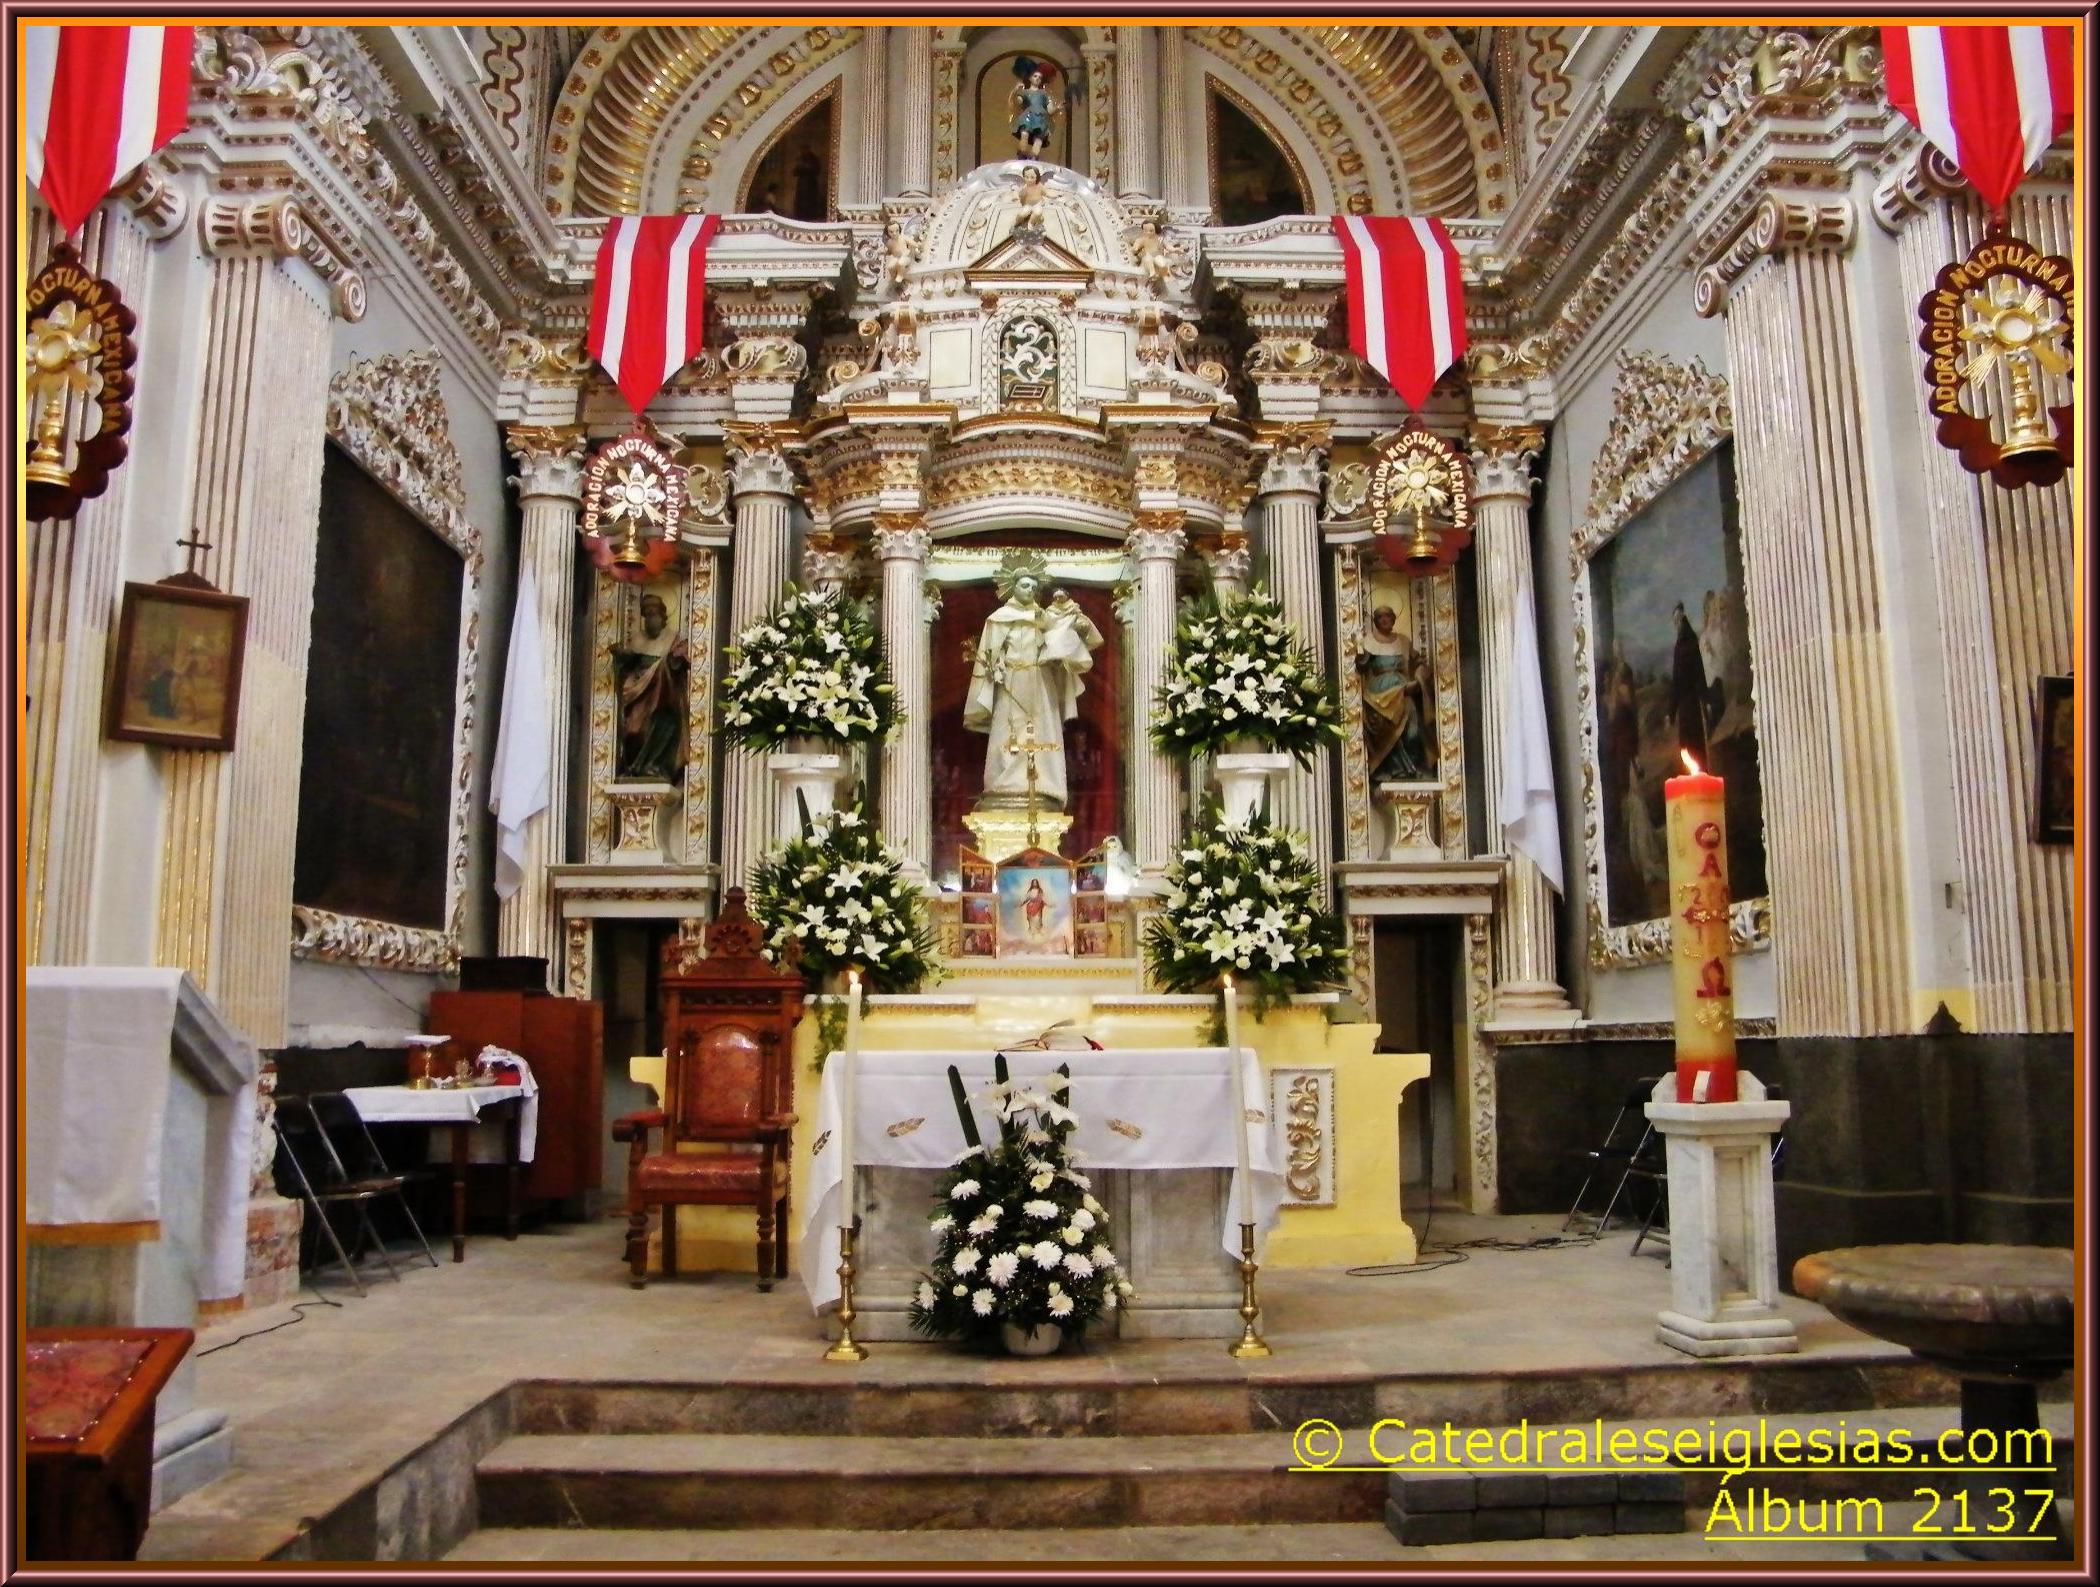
(1025, 685)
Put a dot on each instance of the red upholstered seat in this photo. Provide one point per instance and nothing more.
(729, 1029)
(735, 1176)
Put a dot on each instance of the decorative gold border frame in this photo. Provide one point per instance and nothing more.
(1666, 417)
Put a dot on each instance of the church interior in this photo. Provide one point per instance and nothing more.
(850, 794)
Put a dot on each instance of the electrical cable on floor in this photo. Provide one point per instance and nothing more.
(1454, 1252)
(298, 1315)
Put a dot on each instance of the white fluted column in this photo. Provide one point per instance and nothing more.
(1290, 509)
(758, 566)
(1526, 976)
(871, 87)
(1176, 134)
(911, 124)
(550, 495)
(901, 543)
(1155, 782)
(1137, 112)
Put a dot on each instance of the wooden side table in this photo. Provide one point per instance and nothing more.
(88, 1397)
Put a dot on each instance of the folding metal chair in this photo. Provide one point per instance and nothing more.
(1628, 1135)
(319, 1179)
(356, 1151)
(1659, 1207)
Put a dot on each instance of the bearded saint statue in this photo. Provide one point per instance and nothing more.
(1025, 685)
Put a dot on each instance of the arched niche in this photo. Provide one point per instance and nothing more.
(794, 172)
(987, 78)
(1253, 174)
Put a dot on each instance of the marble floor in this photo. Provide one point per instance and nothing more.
(325, 1401)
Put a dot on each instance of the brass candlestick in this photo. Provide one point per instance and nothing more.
(846, 1347)
(1251, 1344)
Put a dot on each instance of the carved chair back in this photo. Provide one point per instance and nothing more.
(729, 1022)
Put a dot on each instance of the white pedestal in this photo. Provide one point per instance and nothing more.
(1410, 819)
(638, 821)
(1724, 1258)
(1244, 781)
(815, 778)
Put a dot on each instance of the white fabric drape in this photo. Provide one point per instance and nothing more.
(1138, 1108)
(96, 1089)
(524, 740)
(1529, 816)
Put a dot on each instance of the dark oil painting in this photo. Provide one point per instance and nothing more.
(1672, 653)
(375, 789)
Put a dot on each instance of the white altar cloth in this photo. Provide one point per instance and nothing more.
(451, 1105)
(103, 1042)
(1174, 1105)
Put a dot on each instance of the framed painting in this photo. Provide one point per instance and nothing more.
(2055, 762)
(1035, 906)
(380, 867)
(1663, 662)
(175, 675)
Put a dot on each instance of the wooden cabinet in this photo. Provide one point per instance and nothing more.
(563, 1038)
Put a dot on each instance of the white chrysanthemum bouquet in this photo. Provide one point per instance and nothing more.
(1021, 1238)
(1239, 671)
(812, 667)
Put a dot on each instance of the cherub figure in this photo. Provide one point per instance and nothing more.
(1032, 98)
(898, 252)
(1029, 201)
(1155, 256)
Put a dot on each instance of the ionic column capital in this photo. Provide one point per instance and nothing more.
(550, 460)
(1778, 225)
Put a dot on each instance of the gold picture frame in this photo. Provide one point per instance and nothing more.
(175, 669)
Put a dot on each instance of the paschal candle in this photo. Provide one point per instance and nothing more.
(1701, 973)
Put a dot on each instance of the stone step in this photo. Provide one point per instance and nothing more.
(1295, 1545)
(688, 1480)
(1059, 1398)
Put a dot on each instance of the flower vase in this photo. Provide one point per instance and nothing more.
(1043, 1339)
(1246, 774)
(807, 773)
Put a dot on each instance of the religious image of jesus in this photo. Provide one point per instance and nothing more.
(1025, 686)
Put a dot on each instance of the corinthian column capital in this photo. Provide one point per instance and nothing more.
(1502, 455)
(550, 460)
(901, 536)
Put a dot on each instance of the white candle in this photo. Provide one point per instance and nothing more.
(849, 1078)
(1239, 1094)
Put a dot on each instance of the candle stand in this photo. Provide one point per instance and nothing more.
(1724, 1256)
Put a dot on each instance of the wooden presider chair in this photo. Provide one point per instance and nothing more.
(729, 1022)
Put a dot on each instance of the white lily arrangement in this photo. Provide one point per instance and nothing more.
(811, 667)
(835, 898)
(1246, 900)
(1020, 1237)
(1239, 671)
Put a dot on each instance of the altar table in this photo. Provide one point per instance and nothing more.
(459, 1109)
(1159, 1110)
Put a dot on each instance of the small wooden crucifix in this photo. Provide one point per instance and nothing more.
(1031, 746)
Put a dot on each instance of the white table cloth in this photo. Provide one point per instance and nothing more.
(102, 1044)
(1138, 1108)
(453, 1105)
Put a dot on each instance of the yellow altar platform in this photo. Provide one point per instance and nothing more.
(1338, 1103)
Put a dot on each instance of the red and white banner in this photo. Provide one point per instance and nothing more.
(1991, 99)
(98, 101)
(1407, 307)
(647, 304)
